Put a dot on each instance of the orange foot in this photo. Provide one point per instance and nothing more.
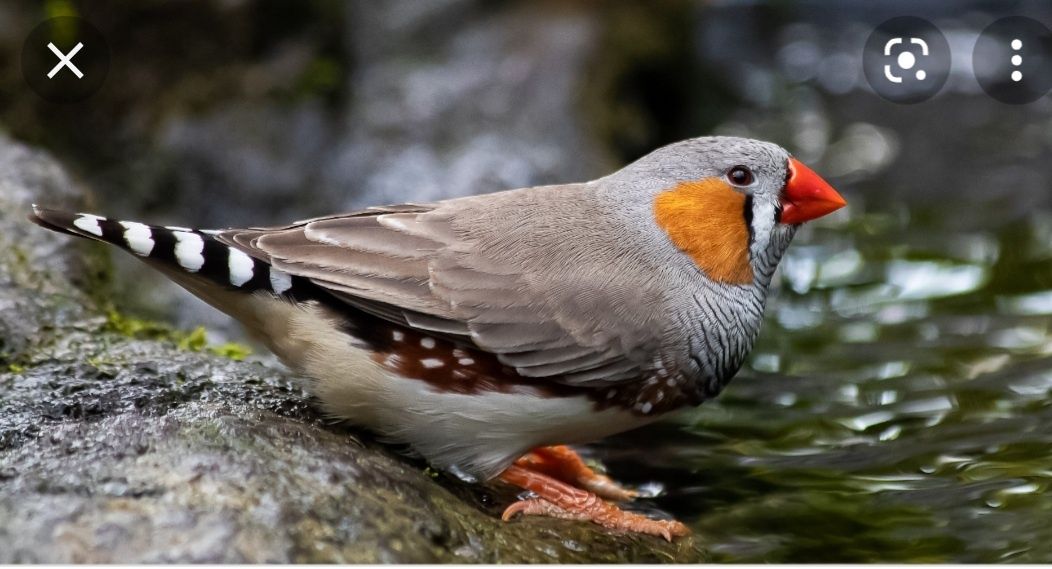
(563, 463)
(560, 500)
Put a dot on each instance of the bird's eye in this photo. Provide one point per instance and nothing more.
(740, 176)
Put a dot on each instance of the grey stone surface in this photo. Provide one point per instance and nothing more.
(30, 300)
(118, 449)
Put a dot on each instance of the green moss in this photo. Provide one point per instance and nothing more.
(15, 264)
(140, 329)
(231, 350)
(99, 362)
(195, 340)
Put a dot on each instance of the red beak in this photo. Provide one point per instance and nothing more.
(807, 196)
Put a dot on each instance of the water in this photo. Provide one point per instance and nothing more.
(896, 407)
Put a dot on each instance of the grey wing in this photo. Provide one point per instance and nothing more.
(408, 265)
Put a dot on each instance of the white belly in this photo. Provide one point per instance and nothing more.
(479, 434)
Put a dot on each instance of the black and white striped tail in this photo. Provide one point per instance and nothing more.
(192, 250)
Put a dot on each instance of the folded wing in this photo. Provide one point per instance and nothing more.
(413, 265)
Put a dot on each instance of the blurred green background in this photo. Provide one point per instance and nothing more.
(897, 405)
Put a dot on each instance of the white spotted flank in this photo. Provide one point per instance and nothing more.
(89, 223)
(139, 238)
(427, 342)
(189, 250)
(431, 363)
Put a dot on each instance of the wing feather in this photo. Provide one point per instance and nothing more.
(415, 266)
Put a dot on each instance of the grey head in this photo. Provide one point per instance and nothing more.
(760, 172)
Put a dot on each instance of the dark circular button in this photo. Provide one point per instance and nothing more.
(65, 60)
(906, 60)
(1013, 60)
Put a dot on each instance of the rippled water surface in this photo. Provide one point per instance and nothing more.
(896, 407)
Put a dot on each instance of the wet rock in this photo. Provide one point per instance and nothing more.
(117, 449)
(28, 259)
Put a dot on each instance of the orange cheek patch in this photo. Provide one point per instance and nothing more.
(705, 219)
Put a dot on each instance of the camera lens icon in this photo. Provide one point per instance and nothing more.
(906, 60)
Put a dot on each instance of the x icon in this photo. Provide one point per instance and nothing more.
(64, 60)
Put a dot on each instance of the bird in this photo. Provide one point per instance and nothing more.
(491, 332)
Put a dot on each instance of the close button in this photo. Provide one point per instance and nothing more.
(65, 59)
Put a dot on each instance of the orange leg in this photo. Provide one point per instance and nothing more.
(560, 500)
(563, 463)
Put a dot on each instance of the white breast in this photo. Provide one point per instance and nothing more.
(477, 434)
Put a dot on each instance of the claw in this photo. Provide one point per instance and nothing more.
(559, 500)
(513, 509)
(563, 463)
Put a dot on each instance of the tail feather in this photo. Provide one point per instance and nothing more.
(192, 251)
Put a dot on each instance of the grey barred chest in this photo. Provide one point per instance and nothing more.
(725, 329)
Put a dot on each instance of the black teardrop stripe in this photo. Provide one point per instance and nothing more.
(112, 232)
(747, 213)
(217, 266)
(164, 243)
